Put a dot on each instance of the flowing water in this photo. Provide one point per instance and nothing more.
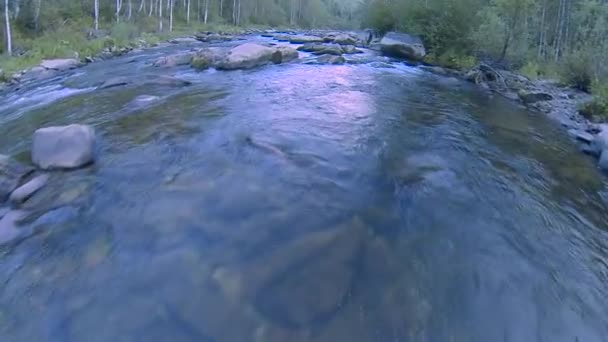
(303, 203)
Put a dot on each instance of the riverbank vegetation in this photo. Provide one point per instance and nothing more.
(565, 40)
(36, 29)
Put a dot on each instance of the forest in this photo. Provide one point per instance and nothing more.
(557, 39)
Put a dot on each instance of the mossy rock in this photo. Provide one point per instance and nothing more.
(200, 62)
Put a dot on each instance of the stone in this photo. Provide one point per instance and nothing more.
(297, 39)
(350, 49)
(599, 143)
(169, 81)
(332, 49)
(11, 175)
(173, 60)
(22, 193)
(581, 135)
(60, 64)
(287, 53)
(330, 59)
(183, 40)
(247, 56)
(115, 82)
(534, 96)
(402, 45)
(63, 147)
(344, 39)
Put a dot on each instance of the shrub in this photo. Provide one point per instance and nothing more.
(531, 70)
(577, 70)
(597, 108)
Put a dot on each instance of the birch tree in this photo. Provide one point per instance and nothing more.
(7, 30)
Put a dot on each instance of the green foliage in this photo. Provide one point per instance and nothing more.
(451, 59)
(379, 16)
(597, 108)
(531, 70)
(577, 70)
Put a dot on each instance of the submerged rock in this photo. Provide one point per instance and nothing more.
(66, 147)
(115, 82)
(350, 49)
(22, 193)
(247, 56)
(402, 45)
(60, 64)
(207, 58)
(11, 175)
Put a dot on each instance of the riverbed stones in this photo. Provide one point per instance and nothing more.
(115, 82)
(344, 39)
(22, 193)
(11, 175)
(9, 223)
(60, 64)
(183, 40)
(144, 100)
(402, 45)
(247, 56)
(63, 147)
(350, 49)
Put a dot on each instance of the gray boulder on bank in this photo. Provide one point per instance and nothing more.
(402, 45)
(247, 56)
(63, 147)
(173, 60)
(60, 64)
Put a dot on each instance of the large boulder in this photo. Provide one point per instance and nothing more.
(11, 175)
(402, 45)
(63, 147)
(207, 58)
(60, 64)
(287, 54)
(350, 49)
(247, 56)
(173, 60)
(344, 39)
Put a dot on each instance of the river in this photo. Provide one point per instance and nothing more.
(303, 202)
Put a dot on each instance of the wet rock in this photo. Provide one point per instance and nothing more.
(599, 143)
(169, 81)
(173, 60)
(212, 36)
(534, 96)
(281, 37)
(207, 58)
(330, 59)
(344, 39)
(60, 64)
(582, 135)
(247, 56)
(67, 147)
(22, 193)
(9, 225)
(115, 82)
(382, 65)
(183, 40)
(11, 175)
(333, 49)
(402, 45)
(287, 53)
(305, 39)
(350, 49)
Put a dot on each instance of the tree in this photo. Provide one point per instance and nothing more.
(171, 3)
(7, 23)
(160, 15)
